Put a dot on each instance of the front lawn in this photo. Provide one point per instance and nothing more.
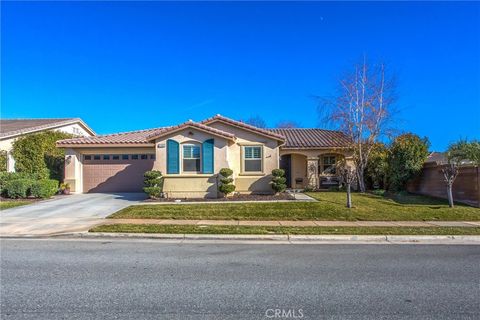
(195, 229)
(331, 206)
(11, 204)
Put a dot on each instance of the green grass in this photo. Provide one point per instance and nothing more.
(195, 229)
(331, 206)
(11, 204)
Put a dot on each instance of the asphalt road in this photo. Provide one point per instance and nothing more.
(141, 279)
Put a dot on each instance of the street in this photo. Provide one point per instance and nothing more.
(151, 279)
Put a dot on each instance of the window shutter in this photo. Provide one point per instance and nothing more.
(173, 157)
(207, 156)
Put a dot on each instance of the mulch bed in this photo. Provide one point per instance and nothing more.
(238, 197)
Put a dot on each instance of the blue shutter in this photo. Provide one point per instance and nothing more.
(207, 153)
(173, 165)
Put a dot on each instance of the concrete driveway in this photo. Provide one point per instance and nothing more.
(64, 214)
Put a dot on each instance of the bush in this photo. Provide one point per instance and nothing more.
(18, 188)
(44, 188)
(153, 183)
(226, 187)
(379, 192)
(309, 188)
(407, 156)
(3, 161)
(278, 181)
(38, 154)
(377, 167)
(9, 176)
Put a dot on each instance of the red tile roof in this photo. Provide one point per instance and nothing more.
(15, 127)
(243, 125)
(131, 137)
(300, 138)
(191, 124)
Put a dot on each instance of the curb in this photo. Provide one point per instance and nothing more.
(300, 239)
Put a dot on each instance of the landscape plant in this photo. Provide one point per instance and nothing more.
(226, 185)
(44, 188)
(153, 181)
(407, 155)
(279, 181)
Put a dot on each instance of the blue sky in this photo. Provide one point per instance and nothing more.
(124, 66)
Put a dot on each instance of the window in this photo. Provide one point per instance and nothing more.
(134, 156)
(124, 156)
(253, 159)
(87, 157)
(144, 157)
(96, 157)
(152, 157)
(191, 158)
(116, 157)
(106, 157)
(329, 164)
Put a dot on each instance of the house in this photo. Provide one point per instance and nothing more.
(191, 154)
(12, 129)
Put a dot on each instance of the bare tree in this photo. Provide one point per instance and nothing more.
(287, 124)
(450, 172)
(362, 109)
(256, 121)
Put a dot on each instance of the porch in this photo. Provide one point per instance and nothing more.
(312, 168)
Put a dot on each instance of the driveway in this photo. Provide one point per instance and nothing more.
(64, 214)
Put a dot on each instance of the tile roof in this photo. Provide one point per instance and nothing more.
(312, 138)
(14, 127)
(131, 137)
(244, 125)
(188, 124)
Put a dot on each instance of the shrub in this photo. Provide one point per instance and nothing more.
(379, 192)
(9, 176)
(153, 183)
(309, 188)
(38, 154)
(278, 180)
(44, 188)
(377, 167)
(407, 156)
(226, 182)
(18, 188)
(3, 161)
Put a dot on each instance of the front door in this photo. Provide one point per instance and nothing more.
(286, 164)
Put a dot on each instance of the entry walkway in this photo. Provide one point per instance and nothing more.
(309, 223)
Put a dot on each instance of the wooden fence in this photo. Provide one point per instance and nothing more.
(466, 188)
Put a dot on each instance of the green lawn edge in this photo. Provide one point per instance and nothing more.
(12, 204)
(260, 230)
(330, 206)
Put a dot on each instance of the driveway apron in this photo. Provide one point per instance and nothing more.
(63, 214)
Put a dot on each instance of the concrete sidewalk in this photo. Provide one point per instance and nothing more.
(309, 223)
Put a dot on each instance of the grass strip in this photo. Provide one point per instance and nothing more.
(11, 204)
(197, 229)
(330, 206)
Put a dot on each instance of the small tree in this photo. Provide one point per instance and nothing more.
(278, 181)
(153, 183)
(408, 153)
(457, 153)
(226, 181)
(377, 167)
(348, 177)
(256, 121)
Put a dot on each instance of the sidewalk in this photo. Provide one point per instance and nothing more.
(310, 223)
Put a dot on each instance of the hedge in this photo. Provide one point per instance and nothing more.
(44, 188)
(19, 188)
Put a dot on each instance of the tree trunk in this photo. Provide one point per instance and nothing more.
(450, 195)
(361, 181)
(349, 196)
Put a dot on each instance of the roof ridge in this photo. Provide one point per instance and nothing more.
(331, 130)
(130, 132)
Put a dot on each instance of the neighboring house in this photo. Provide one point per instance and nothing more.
(191, 154)
(12, 129)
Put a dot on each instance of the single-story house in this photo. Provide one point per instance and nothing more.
(12, 129)
(191, 154)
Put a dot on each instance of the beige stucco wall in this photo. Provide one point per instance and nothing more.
(250, 182)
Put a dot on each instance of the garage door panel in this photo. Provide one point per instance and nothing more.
(115, 176)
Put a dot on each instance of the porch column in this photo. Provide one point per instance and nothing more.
(312, 172)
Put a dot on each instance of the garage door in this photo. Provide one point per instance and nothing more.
(115, 173)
